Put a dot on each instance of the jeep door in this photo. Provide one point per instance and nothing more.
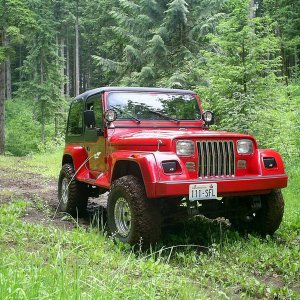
(94, 140)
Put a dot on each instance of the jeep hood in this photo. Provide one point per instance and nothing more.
(152, 137)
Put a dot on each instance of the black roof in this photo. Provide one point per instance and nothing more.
(131, 89)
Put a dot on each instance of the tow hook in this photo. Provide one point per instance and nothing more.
(192, 208)
(256, 203)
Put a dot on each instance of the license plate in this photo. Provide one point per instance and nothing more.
(204, 191)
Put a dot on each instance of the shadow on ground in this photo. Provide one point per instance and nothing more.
(198, 231)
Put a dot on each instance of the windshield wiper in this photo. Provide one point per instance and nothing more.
(128, 114)
(163, 115)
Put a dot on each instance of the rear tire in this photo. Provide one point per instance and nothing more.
(72, 194)
(264, 221)
(132, 217)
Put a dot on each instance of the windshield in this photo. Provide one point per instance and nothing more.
(154, 106)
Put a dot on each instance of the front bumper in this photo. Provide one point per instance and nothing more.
(233, 186)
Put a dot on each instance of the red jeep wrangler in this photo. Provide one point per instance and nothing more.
(152, 149)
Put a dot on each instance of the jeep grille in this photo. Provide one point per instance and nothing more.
(216, 158)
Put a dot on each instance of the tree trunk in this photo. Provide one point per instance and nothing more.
(2, 108)
(7, 70)
(20, 63)
(88, 80)
(42, 103)
(252, 9)
(8, 79)
(244, 69)
(7, 66)
(285, 71)
(68, 67)
(2, 99)
(296, 62)
(56, 125)
(77, 79)
(284, 66)
(62, 69)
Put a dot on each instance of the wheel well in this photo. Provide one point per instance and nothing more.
(125, 167)
(67, 159)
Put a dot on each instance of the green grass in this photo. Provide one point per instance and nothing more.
(44, 262)
(46, 164)
(47, 263)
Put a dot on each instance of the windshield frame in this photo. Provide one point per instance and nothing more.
(147, 122)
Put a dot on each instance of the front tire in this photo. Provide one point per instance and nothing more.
(264, 221)
(132, 217)
(72, 194)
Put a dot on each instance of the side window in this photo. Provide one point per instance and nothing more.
(75, 124)
(94, 103)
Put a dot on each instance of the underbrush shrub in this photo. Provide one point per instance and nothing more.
(23, 131)
(52, 143)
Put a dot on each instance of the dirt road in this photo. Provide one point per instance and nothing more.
(41, 193)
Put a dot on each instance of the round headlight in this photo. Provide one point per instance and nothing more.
(244, 147)
(110, 115)
(208, 117)
(185, 147)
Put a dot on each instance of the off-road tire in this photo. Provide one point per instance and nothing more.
(145, 213)
(267, 218)
(77, 195)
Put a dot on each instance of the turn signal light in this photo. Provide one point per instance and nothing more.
(190, 166)
(242, 164)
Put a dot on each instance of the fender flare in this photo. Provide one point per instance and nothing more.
(270, 153)
(147, 166)
(77, 154)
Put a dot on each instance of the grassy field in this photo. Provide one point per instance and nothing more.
(201, 260)
(47, 164)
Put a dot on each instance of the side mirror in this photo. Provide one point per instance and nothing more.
(208, 117)
(89, 118)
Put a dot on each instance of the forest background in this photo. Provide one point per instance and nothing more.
(241, 56)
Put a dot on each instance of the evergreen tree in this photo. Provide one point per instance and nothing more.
(42, 67)
(236, 53)
(241, 70)
(286, 15)
(176, 21)
(15, 18)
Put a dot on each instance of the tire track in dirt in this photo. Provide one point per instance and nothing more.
(15, 183)
(41, 193)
